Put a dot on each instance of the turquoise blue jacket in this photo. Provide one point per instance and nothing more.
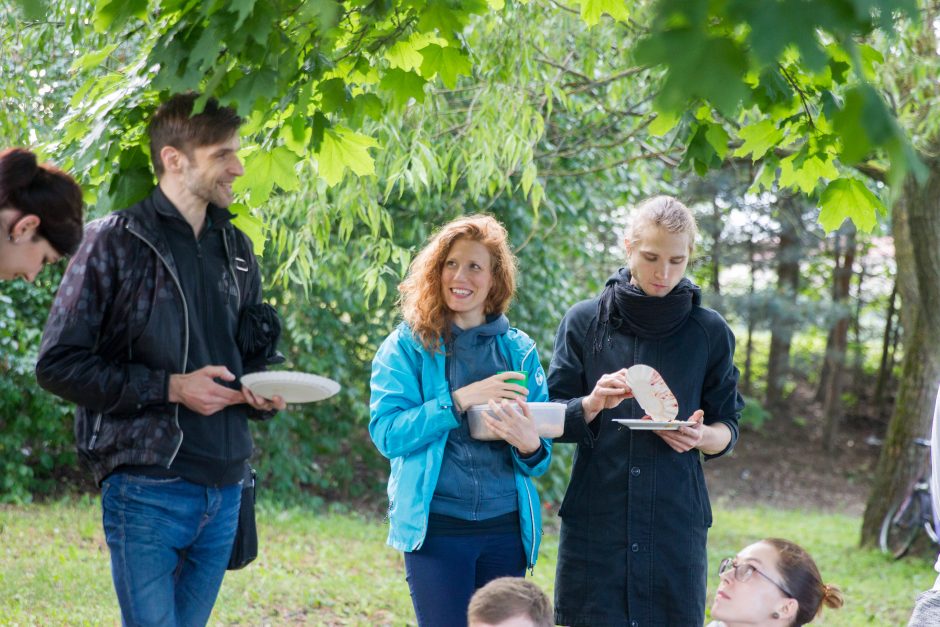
(411, 413)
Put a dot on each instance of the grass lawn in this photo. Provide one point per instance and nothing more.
(334, 569)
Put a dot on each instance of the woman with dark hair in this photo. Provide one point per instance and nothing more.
(771, 583)
(463, 511)
(40, 214)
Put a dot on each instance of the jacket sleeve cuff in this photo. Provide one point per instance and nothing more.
(447, 403)
(733, 427)
(576, 430)
(534, 459)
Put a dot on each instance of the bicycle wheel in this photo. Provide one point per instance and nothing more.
(900, 527)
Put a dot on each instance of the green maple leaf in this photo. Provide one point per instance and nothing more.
(403, 86)
(849, 198)
(663, 123)
(341, 149)
(449, 18)
(718, 139)
(404, 55)
(249, 225)
(758, 139)
(264, 169)
(805, 174)
(332, 94)
(592, 10)
(447, 62)
(244, 8)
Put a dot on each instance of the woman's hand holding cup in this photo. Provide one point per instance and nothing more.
(497, 387)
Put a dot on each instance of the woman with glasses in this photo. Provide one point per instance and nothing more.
(636, 513)
(40, 215)
(773, 582)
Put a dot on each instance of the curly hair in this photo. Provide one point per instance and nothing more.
(421, 298)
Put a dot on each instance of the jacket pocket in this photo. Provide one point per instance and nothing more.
(701, 491)
(574, 502)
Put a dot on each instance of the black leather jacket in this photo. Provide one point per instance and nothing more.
(117, 331)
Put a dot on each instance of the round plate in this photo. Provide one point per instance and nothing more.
(293, 387)
(652, 393)
(652, 425)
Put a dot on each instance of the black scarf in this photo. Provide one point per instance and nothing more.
(623, 304)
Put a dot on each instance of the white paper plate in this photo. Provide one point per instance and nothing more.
(652, 393)
(652, 425)
(293, 387)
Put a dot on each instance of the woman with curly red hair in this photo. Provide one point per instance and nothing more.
(463, 511)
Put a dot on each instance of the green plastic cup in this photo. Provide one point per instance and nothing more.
(522, 380)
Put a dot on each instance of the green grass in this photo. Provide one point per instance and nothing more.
(334, 569)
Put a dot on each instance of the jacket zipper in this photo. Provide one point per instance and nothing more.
(526, 356)
(238, 304)
(528, 499)
(231, 267)
(476, 484)
(94, 432)
(176, 412)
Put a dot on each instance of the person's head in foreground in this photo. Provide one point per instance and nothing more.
(510, 602)
(659, 243)
(465, 273)
(40, 214)
(771, 582)
(195, 156)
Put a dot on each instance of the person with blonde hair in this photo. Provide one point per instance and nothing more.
(636, 513)
(40, 214)
(510, 602)
(771, 583)
(463, 511)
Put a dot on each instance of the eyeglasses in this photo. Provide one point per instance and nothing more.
(743, 572)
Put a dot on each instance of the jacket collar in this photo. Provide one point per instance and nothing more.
(143, 221)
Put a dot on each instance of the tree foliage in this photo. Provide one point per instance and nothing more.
(789, 84)
(371, 122)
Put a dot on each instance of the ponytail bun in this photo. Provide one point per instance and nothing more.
(44, 191)
(832, 596)
(18, 168)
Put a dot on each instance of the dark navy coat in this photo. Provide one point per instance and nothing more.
(636, 514)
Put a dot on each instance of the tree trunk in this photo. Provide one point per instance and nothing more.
(858, 366)
(918, 263)
(750, 323)
(716, 250)
(836, 352)
(887, 355)
(788, 283)
(824, 372)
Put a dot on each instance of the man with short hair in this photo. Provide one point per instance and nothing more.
(142, 336)
(510, 602)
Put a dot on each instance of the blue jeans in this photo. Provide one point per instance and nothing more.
(170, 542)
(445, 572)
